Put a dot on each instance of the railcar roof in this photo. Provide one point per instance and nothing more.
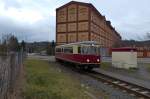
(82, 43)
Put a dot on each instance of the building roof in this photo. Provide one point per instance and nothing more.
(91, 6)
(124, 49)
(82, 43)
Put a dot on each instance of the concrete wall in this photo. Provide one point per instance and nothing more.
(10, 67)
(124, 59)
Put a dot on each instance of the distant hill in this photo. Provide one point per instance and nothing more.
(132, 43)
(37, 47)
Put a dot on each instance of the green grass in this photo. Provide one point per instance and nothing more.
(105, 65)
(45, 81)
(148, 67)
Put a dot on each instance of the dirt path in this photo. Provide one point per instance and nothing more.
(17, 92)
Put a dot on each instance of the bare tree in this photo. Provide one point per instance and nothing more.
(9, 43)
(148, 35)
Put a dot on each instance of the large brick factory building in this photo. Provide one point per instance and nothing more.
(77, 21)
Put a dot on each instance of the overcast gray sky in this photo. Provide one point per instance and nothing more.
(34, 20)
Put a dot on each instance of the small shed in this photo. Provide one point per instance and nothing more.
(124, 58)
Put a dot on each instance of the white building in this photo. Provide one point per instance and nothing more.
(124, 58)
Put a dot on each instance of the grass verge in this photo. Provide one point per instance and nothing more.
(105, 65)
(45, 81)
(148, 67)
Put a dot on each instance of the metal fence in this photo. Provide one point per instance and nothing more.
(10, 67)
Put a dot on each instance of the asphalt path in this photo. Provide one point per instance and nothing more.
(42, 57)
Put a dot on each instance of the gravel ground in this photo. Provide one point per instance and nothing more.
(126, 78)
(143, 71)
(88, 82)
(113, 93)
(140, 75)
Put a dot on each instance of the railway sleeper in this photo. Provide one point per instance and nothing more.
(116, 82)
(135, 89)
(144, 92)
(122, 84)
(131, 89)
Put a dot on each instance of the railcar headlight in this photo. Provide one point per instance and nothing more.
(98, 60)
(88, 60)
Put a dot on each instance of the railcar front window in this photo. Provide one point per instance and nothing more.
(92, 50)
(89, 50)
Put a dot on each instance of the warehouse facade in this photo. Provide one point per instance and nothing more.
(77, 21)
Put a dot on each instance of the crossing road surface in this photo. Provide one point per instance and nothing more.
(36, 56)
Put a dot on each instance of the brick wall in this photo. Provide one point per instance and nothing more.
(10, 67)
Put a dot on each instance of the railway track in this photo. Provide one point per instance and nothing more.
(133, 89)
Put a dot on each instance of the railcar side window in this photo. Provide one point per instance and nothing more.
(68, 50)
(58, 49)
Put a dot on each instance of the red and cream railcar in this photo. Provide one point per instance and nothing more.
(84, 54)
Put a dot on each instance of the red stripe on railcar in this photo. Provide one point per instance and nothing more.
(78, 58)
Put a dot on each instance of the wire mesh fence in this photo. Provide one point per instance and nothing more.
(10, 67)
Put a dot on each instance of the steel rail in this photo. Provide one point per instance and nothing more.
(131, 88)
